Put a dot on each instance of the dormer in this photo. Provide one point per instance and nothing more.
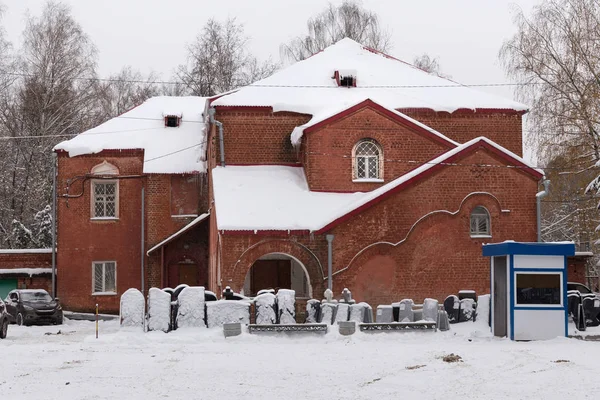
(345, 78)
(172, 119)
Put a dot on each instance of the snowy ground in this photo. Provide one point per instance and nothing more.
(201, 364)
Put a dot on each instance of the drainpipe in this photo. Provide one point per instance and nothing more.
(539, 198)
(329, 260)
(219, 125)
(54, 160)
(142, 242)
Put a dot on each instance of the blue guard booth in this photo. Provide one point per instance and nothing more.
(529, 289)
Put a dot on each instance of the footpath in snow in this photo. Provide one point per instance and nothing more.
(201, 364)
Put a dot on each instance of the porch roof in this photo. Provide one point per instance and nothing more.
(180, 232)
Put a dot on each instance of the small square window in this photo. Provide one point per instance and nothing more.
(172, 121)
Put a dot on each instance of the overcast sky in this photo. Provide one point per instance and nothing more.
(151, 34)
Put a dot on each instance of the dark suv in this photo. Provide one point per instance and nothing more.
(4, 319)
(33, 306)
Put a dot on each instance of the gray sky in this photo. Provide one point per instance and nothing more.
(151, 34)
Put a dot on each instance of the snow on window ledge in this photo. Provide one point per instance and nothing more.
(185, 216)
(367, 180)
(104, 219)
(104, 294)
(481, 236)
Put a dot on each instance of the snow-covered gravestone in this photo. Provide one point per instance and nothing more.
(342, 313)
(266, 309)
(313, 311)
(159, 310)
(190, 313)
(452, 307)
(357, 313)
(227, 311)
(467, 310)
(385, 314)
(347, 296)
(405, 311)
(430, 310)
(327, 313)
(132, 309)
(286, 306)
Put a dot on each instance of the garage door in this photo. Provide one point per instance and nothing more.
(6, 285)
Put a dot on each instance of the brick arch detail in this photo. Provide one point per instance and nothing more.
(468, 202)
(301, 253)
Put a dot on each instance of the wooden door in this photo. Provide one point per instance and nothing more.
(271, 274)
(188, 274)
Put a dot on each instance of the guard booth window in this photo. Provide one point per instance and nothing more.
(538, 289)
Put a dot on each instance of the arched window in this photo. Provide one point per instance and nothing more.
(105, 192)
(480, 222)
(368, 160)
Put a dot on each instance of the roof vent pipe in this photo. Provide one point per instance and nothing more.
(539, 198)
(211, 113)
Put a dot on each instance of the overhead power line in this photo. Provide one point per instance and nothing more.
(162, 82)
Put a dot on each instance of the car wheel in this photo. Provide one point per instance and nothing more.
(20, 319)
(4, 329)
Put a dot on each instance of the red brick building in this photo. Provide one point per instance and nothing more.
(395, 175)
(25, 269)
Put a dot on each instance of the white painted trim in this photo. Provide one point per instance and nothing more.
(104, 283)
(538, 261)
(549, 306)
(367, 180)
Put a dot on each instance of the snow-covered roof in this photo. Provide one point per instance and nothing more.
(25, 251)
(327, 114)
(179, 232)
(308, 86)
(263, 198)
(25, 271)
(166, 150)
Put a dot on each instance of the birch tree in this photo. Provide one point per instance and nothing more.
(348, 20)
(555, 56)
(218, 60)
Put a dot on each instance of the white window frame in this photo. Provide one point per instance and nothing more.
(104, 292)
(93, 199)
(379, 157)
(488, 216)
(525, 305)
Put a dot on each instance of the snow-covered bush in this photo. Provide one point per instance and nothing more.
(266, 309)
(159, 310)
(313, 311)
(342, 312)
(430, 310)
(132, 308)
(227, 311)
(286, 306)
(190, 313)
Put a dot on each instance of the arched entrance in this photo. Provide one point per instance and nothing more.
(278, 271)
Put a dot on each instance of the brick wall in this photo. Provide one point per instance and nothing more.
(24, 259)
(503, 128)
(82, 240)
(328, 151)
(436, 259)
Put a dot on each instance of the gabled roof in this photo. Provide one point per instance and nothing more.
(180, 232)
(277, 198)
(308, 86)
(329, 116)
(425, 170)
(166, 150)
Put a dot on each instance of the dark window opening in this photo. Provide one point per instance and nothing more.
(541, 289)
(347, 81)
(172, 121)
